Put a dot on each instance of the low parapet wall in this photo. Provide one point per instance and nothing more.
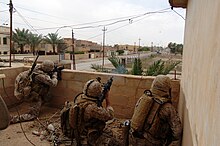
(125, 90)
(7, 84)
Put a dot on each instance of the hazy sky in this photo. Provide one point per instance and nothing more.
(47, 16)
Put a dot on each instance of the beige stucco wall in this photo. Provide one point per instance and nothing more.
(200, 83)
(8, 83)
(125, 90)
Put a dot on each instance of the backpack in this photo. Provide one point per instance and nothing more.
(141, 110)
(67, 130)
(70, 117)
(71, 120)
(145, 111)
(22, 85)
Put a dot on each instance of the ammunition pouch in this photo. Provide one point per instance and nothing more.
(27, 91)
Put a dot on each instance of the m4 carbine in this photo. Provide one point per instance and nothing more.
(57, 69)
(106, 88)
(33, 66)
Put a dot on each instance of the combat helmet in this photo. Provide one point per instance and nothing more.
(92, 88)
(47, 65)
(161, 86)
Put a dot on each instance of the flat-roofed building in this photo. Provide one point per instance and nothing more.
(4, 40)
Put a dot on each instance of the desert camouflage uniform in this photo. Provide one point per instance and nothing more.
(92, 118)
(39, 88)
(166, 128)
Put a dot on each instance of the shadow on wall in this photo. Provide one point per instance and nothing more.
(183, 112)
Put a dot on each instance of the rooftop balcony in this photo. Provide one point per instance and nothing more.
(124, 93)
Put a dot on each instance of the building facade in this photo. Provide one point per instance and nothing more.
(4, 40)
(200, 82)
(129, 48)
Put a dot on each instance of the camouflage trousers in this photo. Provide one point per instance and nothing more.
(103, 139)
(33, 113)
(135, 141)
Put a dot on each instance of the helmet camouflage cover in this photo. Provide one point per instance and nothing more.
(92, 88)
(161, 86)
(47, 65)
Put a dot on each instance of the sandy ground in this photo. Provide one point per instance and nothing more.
(14, 136)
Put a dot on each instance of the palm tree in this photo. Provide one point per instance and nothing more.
(21, 38)
(137, 67)
(119, 67)
(34, 40)
(62, 46)
(53, 39)
(161, 67)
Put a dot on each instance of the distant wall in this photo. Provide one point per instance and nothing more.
(125, 90)
(77, 56)
(54, 58)
(200, 83)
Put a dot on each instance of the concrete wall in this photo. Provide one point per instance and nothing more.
(8, 83)
(125, 90)
(200, 83)
(77, 56)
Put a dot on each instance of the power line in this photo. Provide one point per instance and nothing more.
(3, 10)
(7, 20)
(94, 22)
(36, 12)
(178, 13)
(54, 16)
(4, 22)
(39, 19)
(35, 18)
(128, 18)
(121, 27)
(26, 21)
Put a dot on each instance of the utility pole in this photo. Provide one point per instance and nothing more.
(73, 53)
(151, 46)
(103, 46)
(11, 11)
(134, 47)
(139, 40)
